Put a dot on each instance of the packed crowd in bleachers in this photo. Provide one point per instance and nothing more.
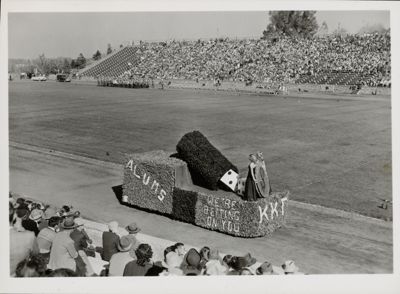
(49, 242)
(284, 59)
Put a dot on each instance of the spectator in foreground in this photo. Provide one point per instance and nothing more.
(110, 241)
(290, 268)
(214, 266)
(20, 214)
(191, 263)
(237, 263)
(178, 249)
(81, 239)
(46, 237)
(139, 267)
(31, 223)
(119, 260)
(63, 252)
(22, 243)
(171, 265)
(33, 266)
(133, 229)
(205, 254)
(267, 268)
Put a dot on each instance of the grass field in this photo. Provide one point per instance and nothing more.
(332, 152)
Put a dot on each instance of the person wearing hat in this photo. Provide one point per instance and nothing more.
(191, 263)
(31, 223)
(132, 230)
(63, 252)
(80, 237)
(110, 241)
(119, 260)
(143, 263)
(290, 268)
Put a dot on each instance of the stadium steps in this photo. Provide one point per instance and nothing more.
(83, 72)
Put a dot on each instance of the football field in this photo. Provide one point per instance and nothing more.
(334, 152)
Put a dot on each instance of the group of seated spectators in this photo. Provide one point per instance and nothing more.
(45, 242)
(282, 59)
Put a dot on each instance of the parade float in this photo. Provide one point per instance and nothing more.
(199, 185)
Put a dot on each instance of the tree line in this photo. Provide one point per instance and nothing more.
(46, 66)
(303, 24)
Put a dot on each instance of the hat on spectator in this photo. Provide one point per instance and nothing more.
(113, 226)
(69, 224)
(36, 215)
(132, 228)
(125, 244)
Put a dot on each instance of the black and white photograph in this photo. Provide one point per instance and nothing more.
(148, 143)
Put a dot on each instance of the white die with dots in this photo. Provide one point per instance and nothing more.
(230, 179)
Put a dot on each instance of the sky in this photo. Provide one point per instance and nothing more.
(69, 34)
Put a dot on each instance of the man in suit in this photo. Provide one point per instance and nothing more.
(110, 241)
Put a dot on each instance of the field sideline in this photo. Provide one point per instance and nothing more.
(331, 152)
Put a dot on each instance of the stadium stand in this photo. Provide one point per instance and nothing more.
(336, 60)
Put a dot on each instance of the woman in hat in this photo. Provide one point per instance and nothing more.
(250, 190)
(139, 267)
(63, 252)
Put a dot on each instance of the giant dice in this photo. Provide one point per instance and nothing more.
(230, 179)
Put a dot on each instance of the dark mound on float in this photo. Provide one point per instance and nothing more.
(158, 182)
(206, 163)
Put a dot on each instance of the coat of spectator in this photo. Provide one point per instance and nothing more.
(139, 267)
(63, 252)
(110, 241)
(119, 260)
(133, 229)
